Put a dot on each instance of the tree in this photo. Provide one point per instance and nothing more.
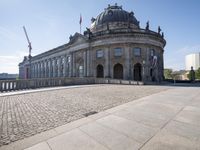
(197, 73)
(168, 73)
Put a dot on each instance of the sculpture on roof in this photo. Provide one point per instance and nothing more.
(159, 29)
(147, 25)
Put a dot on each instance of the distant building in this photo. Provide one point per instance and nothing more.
(192, 60)
(115, 46)
(4, 76)
(181, 75)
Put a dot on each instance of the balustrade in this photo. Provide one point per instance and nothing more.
(14, 85)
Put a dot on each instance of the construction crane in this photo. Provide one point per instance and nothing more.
(28, 68)
(29, 43)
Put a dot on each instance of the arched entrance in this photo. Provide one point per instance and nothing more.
(137, 72)
(118, 71)
(100, 72)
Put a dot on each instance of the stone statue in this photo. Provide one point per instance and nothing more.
(159, 29)
(93, 19)
(192, 75)
(147, 25)
(162, 34)
(88, 32)
(70, 37)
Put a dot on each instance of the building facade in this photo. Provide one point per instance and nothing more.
(192, 60)
(115, 46)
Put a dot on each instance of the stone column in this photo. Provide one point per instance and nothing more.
(107, 63)
(49, 65)
(88, 62)
(46, 68)
(59, 66)
(69, 63)
(37, 66)
(73, 65)
(34, 74)
(54, 67)
(65, 66)
(32, 70)
(148, 64)
(127, 63)
(41, 74)
(85, 64)
(39, 69)
(42, 69)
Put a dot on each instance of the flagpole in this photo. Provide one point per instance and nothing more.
(80, 22)
(80, 28)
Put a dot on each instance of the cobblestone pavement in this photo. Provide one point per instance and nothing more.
(29, 114)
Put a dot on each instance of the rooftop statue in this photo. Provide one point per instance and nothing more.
(147, 25)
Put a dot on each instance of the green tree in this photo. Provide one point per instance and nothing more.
(197, 74)
(168, 73)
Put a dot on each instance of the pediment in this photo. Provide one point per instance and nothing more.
(78, 38)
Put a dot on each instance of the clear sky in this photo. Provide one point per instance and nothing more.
(49, 24)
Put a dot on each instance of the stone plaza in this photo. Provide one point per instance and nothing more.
(101, 117)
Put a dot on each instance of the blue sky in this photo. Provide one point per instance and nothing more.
(49, 24)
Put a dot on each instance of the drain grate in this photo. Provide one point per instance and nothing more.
(90, 113)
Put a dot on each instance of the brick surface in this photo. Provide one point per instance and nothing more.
(28, 114)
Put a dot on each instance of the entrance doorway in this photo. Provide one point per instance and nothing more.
(137, 72)
(100, 72)
(118, 71)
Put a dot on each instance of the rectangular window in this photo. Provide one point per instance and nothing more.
(63, 60)
(137, 51)
(68, 59)
(99, 53)
(152, 52)
(118, 51)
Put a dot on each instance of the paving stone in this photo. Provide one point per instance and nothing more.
(40, 146)
(74, 140)
(186, 130)
(189, 116)
(169, 141)
(132, 129)
(26, 113)
(147, 118)
(72, 125)
(110, 138)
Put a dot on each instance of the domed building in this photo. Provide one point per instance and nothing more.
(115, 46)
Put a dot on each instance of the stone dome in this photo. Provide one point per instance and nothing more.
(115, 14)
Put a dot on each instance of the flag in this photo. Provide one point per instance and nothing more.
(80, 21)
